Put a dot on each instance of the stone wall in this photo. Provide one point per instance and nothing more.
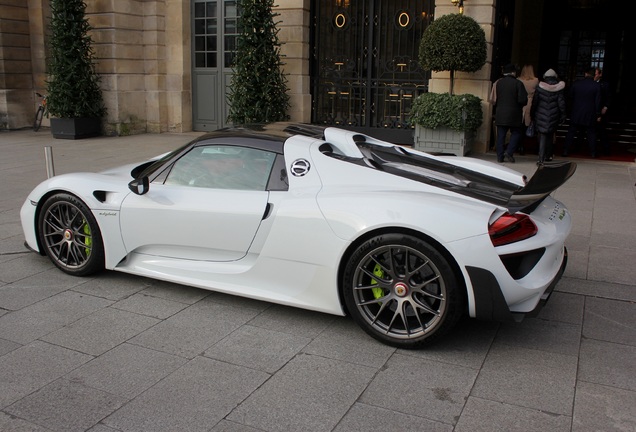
(143, 50)
(142, 47)
(16, 70)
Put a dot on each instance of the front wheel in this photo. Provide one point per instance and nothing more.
(402, 291)
(70, 235)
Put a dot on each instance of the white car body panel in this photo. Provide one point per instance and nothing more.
(289, 246)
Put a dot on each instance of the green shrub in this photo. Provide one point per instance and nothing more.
(73, 85)
(433, 110)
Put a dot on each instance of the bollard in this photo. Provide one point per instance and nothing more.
(48, 155)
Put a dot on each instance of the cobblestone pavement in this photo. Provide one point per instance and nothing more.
(116, 352)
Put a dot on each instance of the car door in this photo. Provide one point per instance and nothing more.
(209, 206)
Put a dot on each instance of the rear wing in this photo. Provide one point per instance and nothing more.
(548, 178)
(396, 160)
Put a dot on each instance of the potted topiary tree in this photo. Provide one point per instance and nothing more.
(74, 96)
(258, 91)
(446, 123)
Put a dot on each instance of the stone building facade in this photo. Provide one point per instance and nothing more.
(144, 52)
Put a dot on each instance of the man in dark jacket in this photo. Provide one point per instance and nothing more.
(601, 131)
(548, 110)
(509, 96)
(586, 111)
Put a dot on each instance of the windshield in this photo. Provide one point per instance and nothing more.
(147, 168)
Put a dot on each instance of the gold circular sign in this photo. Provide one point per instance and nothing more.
(340, 20)
(404, 19)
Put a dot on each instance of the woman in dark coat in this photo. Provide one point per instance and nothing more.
(548, 110)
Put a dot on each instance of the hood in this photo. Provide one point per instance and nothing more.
(492, 188)
(552, 87)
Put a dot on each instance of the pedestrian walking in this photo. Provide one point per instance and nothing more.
(605, 102)
(509, 97)
(585, 95)
(547, 111)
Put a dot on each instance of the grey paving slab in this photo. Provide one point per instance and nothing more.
(66, 406)
(287, 368)
(194, 329)
(151, 306)
(33, 366)
(48, 315)
(534, 379)
(22, 267)
(175, 292)
(564, 307)
(194, 398)
(7, 346)
(482, 415)
(597, 289)
(258, 348)
(113, 285)
(543, 335)
(310, 393)
(611, 264)
(236, 301)
(608, 363)
(293, 321)
(127, 370)
(345, 340)
(610, 320)
(434, 390)
(11, 423)
(34, 289)
(100, 331)
(602, 408)
(366, 418)
(466, 345)
(101, 428)
(227, 426)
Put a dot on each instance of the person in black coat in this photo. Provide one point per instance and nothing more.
(586, 111)
(605, 102)
(509, 96)
(548, 110)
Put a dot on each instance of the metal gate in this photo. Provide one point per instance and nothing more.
(365, 71)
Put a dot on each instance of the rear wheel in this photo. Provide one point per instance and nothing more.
(37, 121)
(70, 235)
(402, 291)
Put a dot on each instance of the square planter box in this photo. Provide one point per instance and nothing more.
(443, 140)
(76, 128)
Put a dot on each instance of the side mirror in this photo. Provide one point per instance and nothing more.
(139, 186)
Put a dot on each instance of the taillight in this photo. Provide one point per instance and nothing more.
(511, 228)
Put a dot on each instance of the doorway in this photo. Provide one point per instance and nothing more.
(365, 68)
(214, 35)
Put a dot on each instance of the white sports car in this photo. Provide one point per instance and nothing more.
(319, 218)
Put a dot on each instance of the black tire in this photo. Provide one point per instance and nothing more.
(70, 235)
(37, 122)
(402, 291)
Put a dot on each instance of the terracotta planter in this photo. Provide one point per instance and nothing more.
(443, 140)
(76, 128)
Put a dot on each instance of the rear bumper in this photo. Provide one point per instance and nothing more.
(490, 303)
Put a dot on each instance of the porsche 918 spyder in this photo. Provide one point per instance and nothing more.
(319, 218)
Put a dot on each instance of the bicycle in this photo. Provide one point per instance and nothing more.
(42, 109)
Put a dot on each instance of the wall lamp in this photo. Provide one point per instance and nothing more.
(459, 4)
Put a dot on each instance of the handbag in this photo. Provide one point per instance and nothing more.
(531, 130)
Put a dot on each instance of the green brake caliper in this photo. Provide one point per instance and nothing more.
(377, 292)
(88, 241)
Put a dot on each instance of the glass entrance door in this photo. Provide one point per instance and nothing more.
(365, 64)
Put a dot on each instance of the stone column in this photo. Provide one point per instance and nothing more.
(16, 71)
(294, 32)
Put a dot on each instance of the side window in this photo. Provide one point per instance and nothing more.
(223, 167)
